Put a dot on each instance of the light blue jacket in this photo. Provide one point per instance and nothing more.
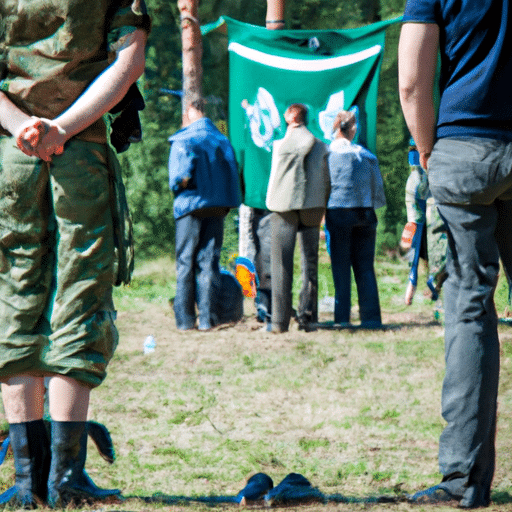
(356, 181)
(201, 154)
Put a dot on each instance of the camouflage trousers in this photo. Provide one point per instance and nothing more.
(57, 264)
(437, 243)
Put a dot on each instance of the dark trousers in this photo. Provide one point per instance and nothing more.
(262, 231)
(285, 226)
(198, 248)
(352, 234)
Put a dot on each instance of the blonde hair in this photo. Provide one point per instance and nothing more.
(344, 121)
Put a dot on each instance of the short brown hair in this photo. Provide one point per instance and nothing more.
(344, 121)
(299, 111)
(199, 104)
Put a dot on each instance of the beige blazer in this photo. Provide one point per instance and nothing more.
(299, 177)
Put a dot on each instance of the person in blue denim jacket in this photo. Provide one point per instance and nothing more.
(204, 178)
(357, 189)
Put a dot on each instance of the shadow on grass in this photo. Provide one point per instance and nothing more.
(497, 498)
(501, 497)
(294, 489)
(331, 326)
(165, 499)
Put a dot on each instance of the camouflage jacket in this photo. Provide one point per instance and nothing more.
(51, 50)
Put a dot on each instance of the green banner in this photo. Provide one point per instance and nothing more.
(327, 70)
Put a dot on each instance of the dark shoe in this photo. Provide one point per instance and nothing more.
(433, 495)
(69, 483)
(278, 329)
(31, 449)
(305, 321)
(307, 327)
(294, 489)
(371, 324)
(257, 486)
(475, 496)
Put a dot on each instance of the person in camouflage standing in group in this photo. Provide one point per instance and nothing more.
(425, 233)
(63, 66)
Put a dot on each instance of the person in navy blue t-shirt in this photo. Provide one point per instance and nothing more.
(468, 154)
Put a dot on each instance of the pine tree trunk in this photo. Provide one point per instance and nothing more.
(192, 52)
(275, 18)
(371, 10)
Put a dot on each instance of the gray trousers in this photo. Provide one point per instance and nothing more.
(285, 226)
(259, 252)
(471, 181)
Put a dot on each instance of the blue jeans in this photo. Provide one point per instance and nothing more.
(471, 181)
(198, 247)
(352, 234)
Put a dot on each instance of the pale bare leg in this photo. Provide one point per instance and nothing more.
(23, 398)
(69, 399)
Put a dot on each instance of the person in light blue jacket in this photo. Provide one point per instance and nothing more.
(357, 189)
(204, 178)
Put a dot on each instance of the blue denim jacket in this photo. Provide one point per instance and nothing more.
(201, 154)
(356, 181)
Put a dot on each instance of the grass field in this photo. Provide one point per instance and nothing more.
(356, 412)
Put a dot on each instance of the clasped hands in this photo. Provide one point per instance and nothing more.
(40, 137)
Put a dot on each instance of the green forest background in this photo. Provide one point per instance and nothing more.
(145, 163)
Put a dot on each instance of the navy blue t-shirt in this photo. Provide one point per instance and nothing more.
(476, 64)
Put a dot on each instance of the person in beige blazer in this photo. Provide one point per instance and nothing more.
(297, 195)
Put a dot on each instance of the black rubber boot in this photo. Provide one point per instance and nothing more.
(68, 482)
(31, 449)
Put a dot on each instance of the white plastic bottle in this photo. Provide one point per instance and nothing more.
(149, 344)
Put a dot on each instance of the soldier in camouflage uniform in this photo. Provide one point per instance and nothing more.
(425, 233)
(429, 238)
(63, 66)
